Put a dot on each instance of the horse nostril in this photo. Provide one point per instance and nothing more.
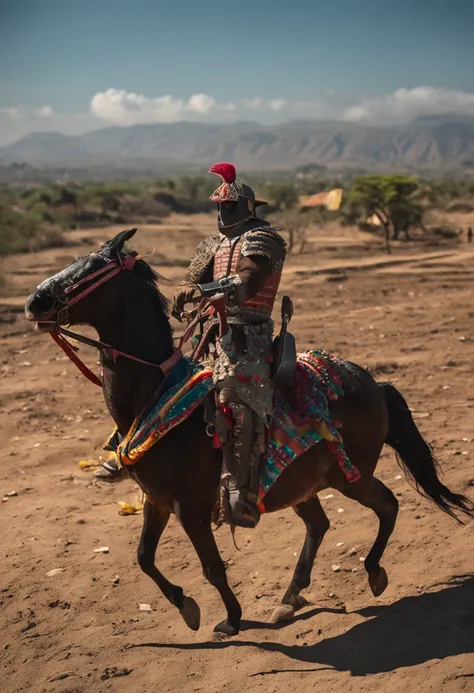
(40, 304)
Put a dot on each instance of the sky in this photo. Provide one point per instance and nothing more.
(78, 65)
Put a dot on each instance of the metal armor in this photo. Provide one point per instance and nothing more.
(243, 261)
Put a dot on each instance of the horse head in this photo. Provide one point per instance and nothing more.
(87, 291)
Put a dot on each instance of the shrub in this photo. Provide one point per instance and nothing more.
(23, 232)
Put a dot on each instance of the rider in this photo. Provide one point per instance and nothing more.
(243, 261)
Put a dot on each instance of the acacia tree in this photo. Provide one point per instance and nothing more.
(390, 199)
(406, 215)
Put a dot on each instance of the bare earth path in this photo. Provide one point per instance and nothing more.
(410, 321)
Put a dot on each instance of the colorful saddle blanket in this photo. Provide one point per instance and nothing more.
(318, 379)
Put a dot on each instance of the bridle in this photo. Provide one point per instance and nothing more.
(110, 270)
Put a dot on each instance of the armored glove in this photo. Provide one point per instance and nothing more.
(183, 294)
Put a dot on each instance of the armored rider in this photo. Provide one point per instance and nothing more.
(243, 261)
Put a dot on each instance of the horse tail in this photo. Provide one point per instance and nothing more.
(415, 456)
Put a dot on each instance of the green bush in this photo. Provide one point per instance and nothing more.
(25, 232)
(33, 213)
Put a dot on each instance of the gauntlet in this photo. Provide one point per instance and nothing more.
(184, 294)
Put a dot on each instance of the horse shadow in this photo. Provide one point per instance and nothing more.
(411, 631)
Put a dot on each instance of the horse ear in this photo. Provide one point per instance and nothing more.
(120, 239)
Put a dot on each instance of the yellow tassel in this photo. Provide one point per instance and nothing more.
(129, 508)
(88, 464)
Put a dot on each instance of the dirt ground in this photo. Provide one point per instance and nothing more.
(410, 319)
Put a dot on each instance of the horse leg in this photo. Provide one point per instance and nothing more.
(155, 520)
(199, 531)
(317, 524)
(376, 496)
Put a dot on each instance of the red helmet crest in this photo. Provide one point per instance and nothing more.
(225, 170)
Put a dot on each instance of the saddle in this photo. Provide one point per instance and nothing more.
(284, 355)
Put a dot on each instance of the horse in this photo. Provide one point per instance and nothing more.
(117, 293)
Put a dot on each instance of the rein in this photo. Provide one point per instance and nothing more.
(110, 270)
(70, 352)
(59, 335)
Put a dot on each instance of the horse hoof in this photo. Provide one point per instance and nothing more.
(300, 602)
(284, 612)
(191, 613)
(378, 582)
(226, 628)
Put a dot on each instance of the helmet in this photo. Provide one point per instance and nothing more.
(235, 200)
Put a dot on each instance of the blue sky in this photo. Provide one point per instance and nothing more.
(75, 65)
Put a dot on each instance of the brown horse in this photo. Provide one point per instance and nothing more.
(117, 295)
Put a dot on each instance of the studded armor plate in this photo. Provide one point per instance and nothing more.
(262, 241)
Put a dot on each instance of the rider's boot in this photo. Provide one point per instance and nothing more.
(241, 461)
(109, 471)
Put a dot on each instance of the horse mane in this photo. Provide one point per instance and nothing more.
(160, 303)
(151, 278)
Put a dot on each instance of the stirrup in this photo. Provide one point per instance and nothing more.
(244, 510)
(110, 471)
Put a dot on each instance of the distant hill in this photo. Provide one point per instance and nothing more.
(428, 143)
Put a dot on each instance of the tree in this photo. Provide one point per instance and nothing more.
(65, 196)
(295, 223)
(196, 188)
(282, 195)
(389, 198)
(404, 216)
(110, 203)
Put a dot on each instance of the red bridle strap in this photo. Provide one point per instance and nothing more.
(111, 269)
(70, 353)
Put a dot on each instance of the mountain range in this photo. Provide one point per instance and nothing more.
(426, 143)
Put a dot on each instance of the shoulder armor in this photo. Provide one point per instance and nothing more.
(265, 241)
(202, 259)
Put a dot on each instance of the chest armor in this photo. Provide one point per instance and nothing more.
(259, 307)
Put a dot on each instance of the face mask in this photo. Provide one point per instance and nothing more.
(233, 213)
(226, 213)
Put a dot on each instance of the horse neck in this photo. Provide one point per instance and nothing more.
(140, 328)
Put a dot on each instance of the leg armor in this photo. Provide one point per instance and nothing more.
(243, 433)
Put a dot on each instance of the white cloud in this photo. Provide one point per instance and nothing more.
(405, 104)
(119, 107)
(127, 108)
(12, 113)
(252, 103)
(45, 112)
(21, 112)
(203, 104)
(277, 104)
